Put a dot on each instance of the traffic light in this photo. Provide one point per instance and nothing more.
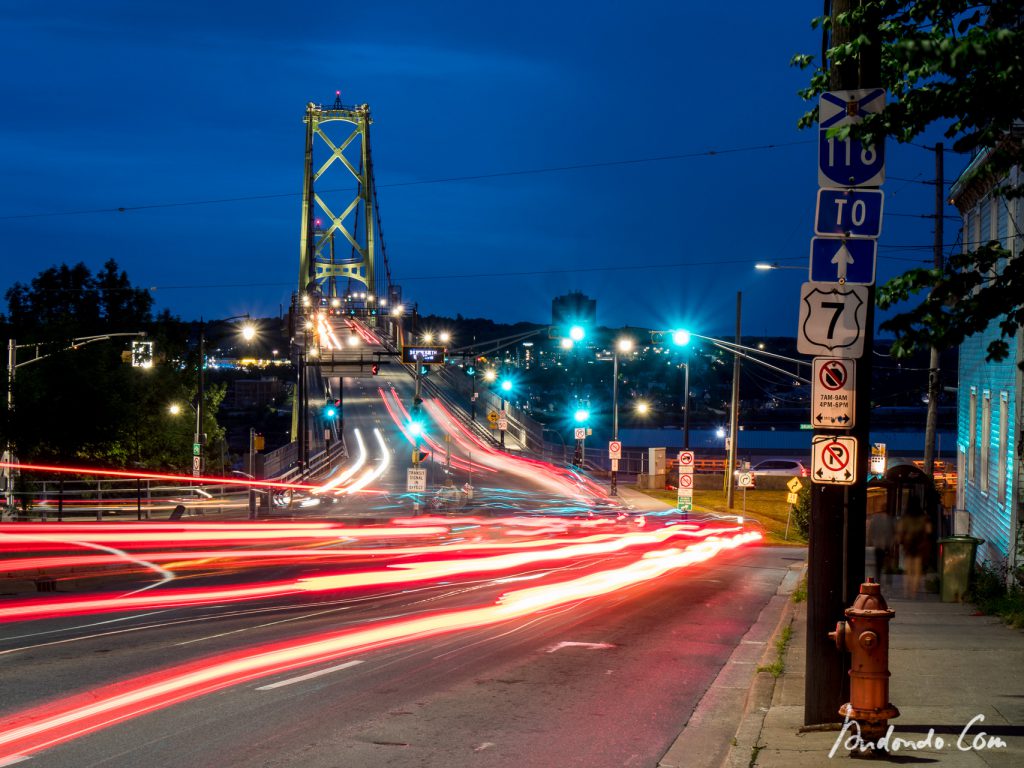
(424, 369)
(581, 415)
(577, 333)
(375, 369)
(470, 370)
(506, 385)
(680, 338)
(332, 409)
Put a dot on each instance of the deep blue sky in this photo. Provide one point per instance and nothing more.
(112, 104)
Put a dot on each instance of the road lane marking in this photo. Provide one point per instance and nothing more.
(310, 676)
(590, 646)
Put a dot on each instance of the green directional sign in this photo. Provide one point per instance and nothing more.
(684, 503)
(197, 449)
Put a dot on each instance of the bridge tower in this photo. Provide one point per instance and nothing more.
(338, 153)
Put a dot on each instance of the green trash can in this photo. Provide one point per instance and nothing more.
(956, 563)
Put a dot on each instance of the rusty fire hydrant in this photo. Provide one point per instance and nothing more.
(865, 634)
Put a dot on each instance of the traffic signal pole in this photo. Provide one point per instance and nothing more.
(835, 559)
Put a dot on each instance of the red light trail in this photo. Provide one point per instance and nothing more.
(29, 732)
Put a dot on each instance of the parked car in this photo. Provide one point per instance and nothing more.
(780, 467)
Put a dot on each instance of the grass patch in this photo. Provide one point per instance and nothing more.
(800, 593)
(768, 508)
(778, 666)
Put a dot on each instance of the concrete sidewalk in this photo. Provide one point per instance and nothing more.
(956, 675)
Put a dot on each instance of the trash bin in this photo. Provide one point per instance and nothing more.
(956, 563)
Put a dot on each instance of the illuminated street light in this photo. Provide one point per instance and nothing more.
(566, 343)
(576, 333)
(248, 331)
(623, 345)
(444, 337)
(490, 374)
(428, 337)
(174, 409)
(642, 407)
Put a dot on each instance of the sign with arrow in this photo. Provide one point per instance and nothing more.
(834, 460)
(833, 389)
(843, 260)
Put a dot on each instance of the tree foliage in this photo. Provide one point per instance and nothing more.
(87, 404)
(958, 67)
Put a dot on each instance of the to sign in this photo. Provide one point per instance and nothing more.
(849, 212)
(834, 460)
(614, 449)
(832, 392)
(832, 319)
(415, 479)
(850, 162)
(847, 260)
(580, 433)
(686, 461)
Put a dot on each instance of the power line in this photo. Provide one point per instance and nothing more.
(443, 180)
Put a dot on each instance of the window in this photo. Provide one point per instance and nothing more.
(1004, 454)
(972, 436)
(985, 439)
(985, 221)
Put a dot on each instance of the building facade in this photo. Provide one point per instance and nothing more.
(989, 394)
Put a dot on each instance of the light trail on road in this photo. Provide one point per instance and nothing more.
(36, 729)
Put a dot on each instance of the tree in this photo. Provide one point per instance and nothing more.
(957, 66)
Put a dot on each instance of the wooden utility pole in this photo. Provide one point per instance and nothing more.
(835, 567)
(934, 378)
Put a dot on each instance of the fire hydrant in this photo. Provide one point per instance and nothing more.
(865, 634)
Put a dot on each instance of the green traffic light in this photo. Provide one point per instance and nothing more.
(681, 338)
(577, 332)
(506, 386)
(582, 415)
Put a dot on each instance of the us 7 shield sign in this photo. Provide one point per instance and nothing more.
(832, 319)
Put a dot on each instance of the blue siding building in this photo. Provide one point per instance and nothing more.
(989, 398)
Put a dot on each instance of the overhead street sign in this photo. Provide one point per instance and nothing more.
(843, 260)
(833, 387)
(834, 460)
(423, 355)
(849, 212)
(832, 319)
(848, 162)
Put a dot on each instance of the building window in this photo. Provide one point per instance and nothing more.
(985, 439)
(972, 436)
(1004, 453)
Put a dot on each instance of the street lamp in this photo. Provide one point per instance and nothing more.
(682, 338)
(762, 266)
(506, 388)
(623, 345)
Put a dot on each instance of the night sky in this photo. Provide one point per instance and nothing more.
(161, 108)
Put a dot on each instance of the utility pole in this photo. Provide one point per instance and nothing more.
(734, 411)
(835, 558)
(199, 448)
(934, 377)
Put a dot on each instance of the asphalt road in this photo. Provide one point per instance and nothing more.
(505, 695)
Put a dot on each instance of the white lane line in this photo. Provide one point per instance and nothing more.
(591, 646)
(310, 676)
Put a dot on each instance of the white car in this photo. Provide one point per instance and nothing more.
(780, 467)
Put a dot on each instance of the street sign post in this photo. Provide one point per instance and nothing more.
(580, 433)
(834, 460)
(833, 389)
(745, 479)
(848, 162)
(614, 450)
(843, 260)
(849, 212)
(832, 319)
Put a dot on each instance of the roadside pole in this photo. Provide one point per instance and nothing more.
(837, 322)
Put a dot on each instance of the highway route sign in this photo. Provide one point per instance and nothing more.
(795, 486)
(834, 459)
(848, 162)
(833, 390)
(415, 480)
(849, 212)
(843, 260)
(614, 449)
(832, 319)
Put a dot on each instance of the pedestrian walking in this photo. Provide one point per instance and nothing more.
(881, 534)
(912, 533)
